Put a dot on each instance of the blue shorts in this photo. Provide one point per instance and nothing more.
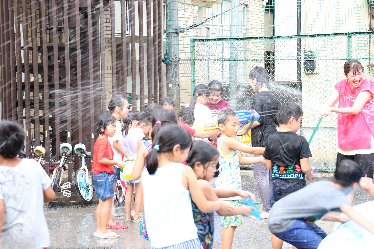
(117, 173)
(104, 185)
(303, 235)
(131, 181)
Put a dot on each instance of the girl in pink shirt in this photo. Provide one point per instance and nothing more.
(355, 121)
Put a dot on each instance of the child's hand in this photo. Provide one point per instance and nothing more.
(243, 193)
(226, 206)
(344, 219)
(246, 210)
(130, 158)
(120, 164)
(262, 159)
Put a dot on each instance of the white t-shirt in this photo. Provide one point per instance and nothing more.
(117, 137)
(21, 188)
(130, 141)
(203, 114)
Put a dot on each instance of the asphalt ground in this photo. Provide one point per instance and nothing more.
(73, 226)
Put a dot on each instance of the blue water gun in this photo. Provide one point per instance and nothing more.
(255, 212)
(247, 117)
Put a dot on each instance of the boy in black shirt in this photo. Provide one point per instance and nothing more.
(287, 155)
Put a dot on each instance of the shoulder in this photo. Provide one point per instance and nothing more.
(367, 85)
(204, 184)
(341, 85)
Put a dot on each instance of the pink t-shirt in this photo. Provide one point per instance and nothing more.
(355, 131)
(215, 109)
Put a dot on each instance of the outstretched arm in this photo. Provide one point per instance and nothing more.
(357, 217)
(206, 134)
(250, 160)
(234, 144)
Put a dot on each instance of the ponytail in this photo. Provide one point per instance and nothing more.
(165, 140)
(160, 119)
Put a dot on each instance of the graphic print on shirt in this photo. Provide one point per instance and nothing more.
(288, 172)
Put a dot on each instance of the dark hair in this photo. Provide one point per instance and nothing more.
(202, 152)
(116, 101)
(153, 107)
(144, 118)
(199, 91)
(287, 111)
(165, 117)
(131, 116)
(352, 65)
(104, 120)
(215, 85)
(186, 114)
(166, 139)
(167, 101)
(261, 76)
(12, 137)
(224, 115)
(347, 172)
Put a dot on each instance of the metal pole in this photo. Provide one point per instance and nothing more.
(172, 69)
(299, 44)
(233, 52)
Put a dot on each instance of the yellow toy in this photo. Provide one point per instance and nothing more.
(129, 165)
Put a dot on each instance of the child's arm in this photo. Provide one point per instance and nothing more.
(305, 168)
(120, 150)
(357, 217)
(225, 193)
(268, 163)
(112, 162)
(234, 144)
(140, 161)
(49, 195)
(190, 183)
(250, 160)
(2, 213)
(210, 194)
(206, 134)
(333, 218)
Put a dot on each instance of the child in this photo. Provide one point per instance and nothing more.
(216, 103)
(229, 170)
(185, 120)
(292, 218)
(168, 103)
(168, 187)
(24, 187)
(103, 173)
(287, 155)
(202, 114)
(130, 143)
(118, 107)
(203, 158)
(266, 104)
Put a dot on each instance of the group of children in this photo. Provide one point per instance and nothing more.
(171, 175)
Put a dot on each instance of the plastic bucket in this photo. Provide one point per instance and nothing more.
(129, 165)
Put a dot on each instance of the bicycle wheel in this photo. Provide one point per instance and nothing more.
(119, 193)
(83, 186)
(56, 178)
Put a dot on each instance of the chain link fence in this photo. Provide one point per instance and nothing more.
(303, 69)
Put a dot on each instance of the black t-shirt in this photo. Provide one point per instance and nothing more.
(285, 149)
(266, 104)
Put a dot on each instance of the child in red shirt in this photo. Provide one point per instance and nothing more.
(103, 173)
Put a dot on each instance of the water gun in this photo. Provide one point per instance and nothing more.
(255, 212)
(247, 117)
(210, 125)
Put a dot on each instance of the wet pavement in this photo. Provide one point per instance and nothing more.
(73, 227)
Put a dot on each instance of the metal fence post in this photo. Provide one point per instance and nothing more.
(349, 46)
(172, 66)
(192, 52)
(234, 33)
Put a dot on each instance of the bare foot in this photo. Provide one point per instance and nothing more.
(264, 215)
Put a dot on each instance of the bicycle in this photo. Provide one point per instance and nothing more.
(58, 172)
(82, 181)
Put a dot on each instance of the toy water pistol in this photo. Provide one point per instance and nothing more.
(247, 116)
(255, 212)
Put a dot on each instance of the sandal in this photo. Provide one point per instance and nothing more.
(138, 220)
(119, 226)
(108, 235)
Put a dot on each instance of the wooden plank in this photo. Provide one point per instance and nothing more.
(133, 54)
(34, 35)
(79, 71)
(91, 69)
(102, 55)
(56, 77)
(155, 56)
(7, 55)
(141, 54)
(19, 65)
(159, 43)
(43, 33)
(124, 47)
(114, 48)
(149, 51)
(12, 63)
(67, 71)
(27, 76)
(2, 66)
